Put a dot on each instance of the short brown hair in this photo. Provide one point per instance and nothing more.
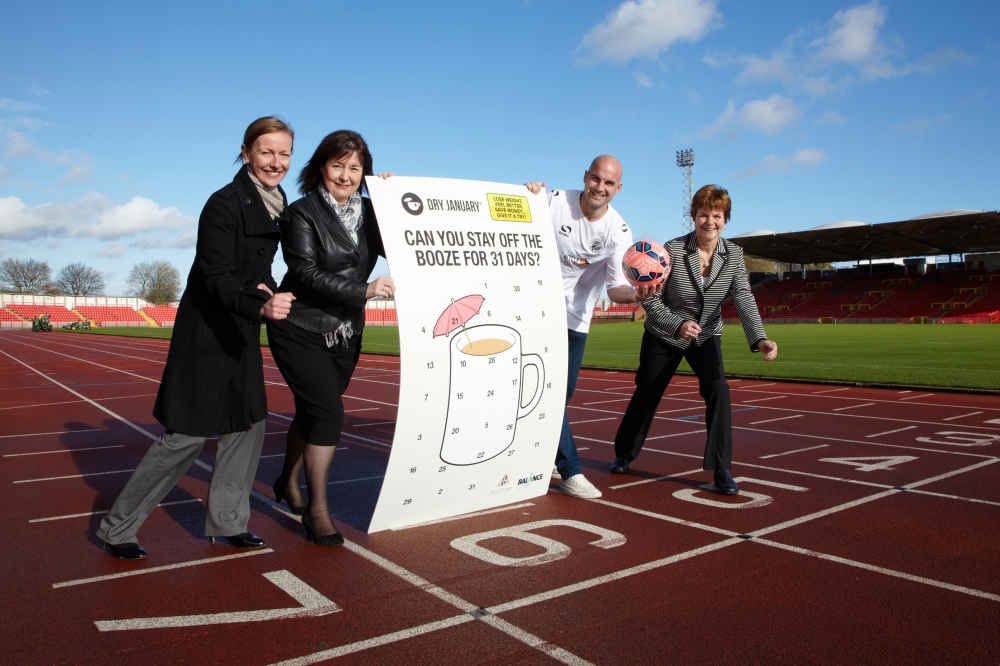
(711, 197)
(334, 146)
(262, 126)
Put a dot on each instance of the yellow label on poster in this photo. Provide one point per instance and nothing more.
(509, 208)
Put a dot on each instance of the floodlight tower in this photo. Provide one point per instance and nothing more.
(685, 160)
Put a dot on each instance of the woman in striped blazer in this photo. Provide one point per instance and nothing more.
(684, 320)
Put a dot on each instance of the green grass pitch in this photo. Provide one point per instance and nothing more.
(965, 356)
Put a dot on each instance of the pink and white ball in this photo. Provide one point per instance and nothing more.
(646, 263)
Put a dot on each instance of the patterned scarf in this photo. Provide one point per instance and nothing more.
(273, 201)
(350, 214)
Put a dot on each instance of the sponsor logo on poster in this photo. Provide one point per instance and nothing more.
(528, 480)
(503, 487)
(412, 204)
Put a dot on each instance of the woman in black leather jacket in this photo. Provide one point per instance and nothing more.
(330, 242)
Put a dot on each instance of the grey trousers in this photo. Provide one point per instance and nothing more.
(163, 466)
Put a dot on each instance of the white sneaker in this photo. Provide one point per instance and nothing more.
(578, 486)
(555, 473)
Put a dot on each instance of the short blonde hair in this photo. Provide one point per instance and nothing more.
(711, 197)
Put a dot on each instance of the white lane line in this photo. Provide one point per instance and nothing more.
(84, 398)
(905, 392)
(56, 432)
(756, 386)
(365, 425)
(166, 567)
(377, 402)
(659, 478)
(824, 512)
(780, 418)
(889, 432)
(364, 478)
(366, 439)
(591, 439)
(40, 453)
(82, 360)
(363, 409)
(846, 388)
(463, 516)
(676, 434)
(609, 418)
(73, 402)
(279, 455)
(946, 475)
(604, 402)
(952, 418)
(841, 409)
(776, 397)
(788, 453)
(857, 441)
(74, 476)
(915, 397)
(378, 641)
(611, 577)
(101, 513)
(553, 651)
(881, 570)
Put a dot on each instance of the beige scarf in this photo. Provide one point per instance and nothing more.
(273, 200)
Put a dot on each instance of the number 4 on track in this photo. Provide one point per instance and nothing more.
(868, 464)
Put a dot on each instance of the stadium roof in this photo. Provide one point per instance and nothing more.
(943, 232)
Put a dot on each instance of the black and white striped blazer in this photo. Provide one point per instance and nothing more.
(683, 298)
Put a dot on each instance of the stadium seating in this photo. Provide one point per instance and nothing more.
(6, 315)
(163, 315)
(112, 315)
(57, 313)
(381, 317)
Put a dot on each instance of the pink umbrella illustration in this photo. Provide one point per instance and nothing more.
(457, 314)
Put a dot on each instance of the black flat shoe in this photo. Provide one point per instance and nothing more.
(245, 540)
(125, 551)
(725, 484)
(279, 497)
(334, 539)
(620, 466)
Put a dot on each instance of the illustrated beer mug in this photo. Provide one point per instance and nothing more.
(485, 394)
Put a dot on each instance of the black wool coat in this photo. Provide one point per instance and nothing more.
(213, 382)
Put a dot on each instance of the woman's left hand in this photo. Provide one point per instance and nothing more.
(386, 174)
(382, 286)
(770, 349)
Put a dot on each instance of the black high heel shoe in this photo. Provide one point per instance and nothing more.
(124, 551)
(334, 539)
(279, 496)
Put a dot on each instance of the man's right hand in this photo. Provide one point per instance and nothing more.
(278, 306)
(535, 187)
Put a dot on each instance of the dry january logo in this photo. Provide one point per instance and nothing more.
(412, 204)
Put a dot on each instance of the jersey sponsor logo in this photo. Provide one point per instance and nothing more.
(597, 245)
(412, 204)
(565, 230)
(575, 261)
(624, 228)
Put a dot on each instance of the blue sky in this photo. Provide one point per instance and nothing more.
(117, 122)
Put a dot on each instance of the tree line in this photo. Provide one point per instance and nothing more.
(154, 281)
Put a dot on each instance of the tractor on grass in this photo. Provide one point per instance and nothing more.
(41, 323)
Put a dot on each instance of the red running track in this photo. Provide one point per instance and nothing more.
(866, 532)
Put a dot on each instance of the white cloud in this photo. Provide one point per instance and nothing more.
(645, 28)
(8, 104)
(830, 118)
(38, 91)
(112, 250)
(79, 165)
(95, 216)
(771, 163)
(920, 125)
(643, 80)
(850, 48)
(767, 116)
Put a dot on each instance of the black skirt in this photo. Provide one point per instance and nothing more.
(318, 376)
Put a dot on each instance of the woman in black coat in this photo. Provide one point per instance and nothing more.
(330, 242)
(213, 382)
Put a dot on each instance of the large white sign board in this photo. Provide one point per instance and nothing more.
(482, 336)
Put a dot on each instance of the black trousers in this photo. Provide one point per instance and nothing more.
(317, 375)
(657, 363)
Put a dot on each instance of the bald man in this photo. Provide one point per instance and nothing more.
(591, 238)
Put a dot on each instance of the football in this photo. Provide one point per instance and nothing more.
(645, 263)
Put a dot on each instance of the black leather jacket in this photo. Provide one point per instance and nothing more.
(327, 271)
